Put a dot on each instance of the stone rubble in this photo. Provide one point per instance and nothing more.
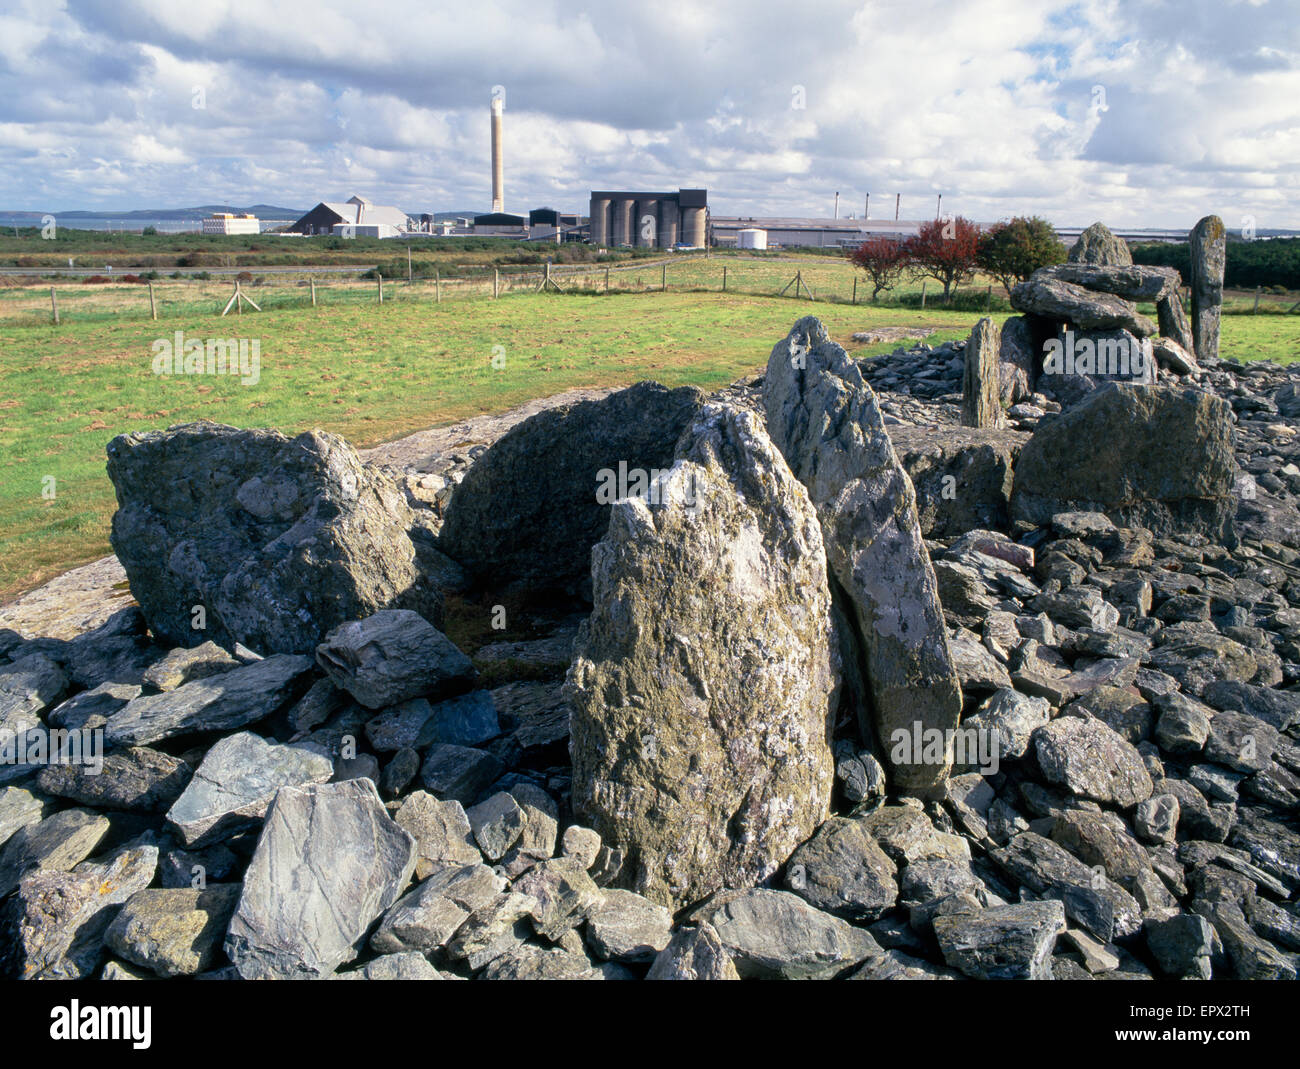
(719, 789)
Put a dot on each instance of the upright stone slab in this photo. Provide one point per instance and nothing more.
(981, 390)
(700, 689)
(1209, 253)
(1018, 360)
(1097, 245)
(824, 418)
(248, 536)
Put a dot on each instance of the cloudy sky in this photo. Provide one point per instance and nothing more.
(1138, 112)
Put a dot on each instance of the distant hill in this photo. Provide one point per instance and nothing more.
(262, 211)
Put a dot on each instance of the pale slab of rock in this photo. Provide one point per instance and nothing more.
(624, 926)
(329, 862)
(183, 665)
(235, 783)
(777, 935)
(54, 844)
(690, 700)
(694, 953)
(441, 831)
(1089, 759)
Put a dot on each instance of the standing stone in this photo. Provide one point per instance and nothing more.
(1017, 366)
(1209, 241)
(823, 417)
(701, 684)
(1097, 245)
(330, 860)
(276, 539)
(981, 388)
(1172, 319)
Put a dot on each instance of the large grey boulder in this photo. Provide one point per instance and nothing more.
(1053, 298)
(330, 860)
(843, 871)
(233, 787)
(1157, 457)
(54, 844)
(981, 404)
(276, 539)
(530, 509)
(391, 657)
(1209, 251)
(700, 690)
(1097, 245)
(824, 418)
(224, 702)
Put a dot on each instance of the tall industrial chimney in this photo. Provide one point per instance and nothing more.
(498, 173)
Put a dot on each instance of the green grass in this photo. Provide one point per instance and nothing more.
(369, 372)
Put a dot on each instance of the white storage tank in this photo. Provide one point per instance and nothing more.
(752, 238)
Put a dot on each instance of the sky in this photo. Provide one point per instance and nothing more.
(1135, 112)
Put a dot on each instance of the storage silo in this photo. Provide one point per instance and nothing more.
(751, 238)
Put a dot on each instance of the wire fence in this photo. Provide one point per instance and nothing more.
(814, 279)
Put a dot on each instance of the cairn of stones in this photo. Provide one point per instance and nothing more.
(847, 681)
(1080, 327)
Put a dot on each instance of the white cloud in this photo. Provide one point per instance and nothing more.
(989, 103)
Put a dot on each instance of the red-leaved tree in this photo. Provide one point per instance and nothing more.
(885, 261)
(945, 250)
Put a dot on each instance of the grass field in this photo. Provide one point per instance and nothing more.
(368, 372)
(374, 372)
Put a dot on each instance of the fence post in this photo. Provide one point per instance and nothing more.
(988, 297)
(437, 285)
(496, 282)
(54, 303)
(607, 280)
(923, 285)
(855, 289)
(379, 278)
(724, 278)
(313, 292)
(153, 308)
(1255, 310)
(663, 277)
(408, 263)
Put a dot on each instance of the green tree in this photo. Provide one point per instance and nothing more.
(1013, 251)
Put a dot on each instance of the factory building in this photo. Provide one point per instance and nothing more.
(785, 232)
(356, 217)
(650, 220)
(230, 223)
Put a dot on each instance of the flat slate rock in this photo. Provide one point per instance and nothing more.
(235, 783)
(329, 862)
(224, 702)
